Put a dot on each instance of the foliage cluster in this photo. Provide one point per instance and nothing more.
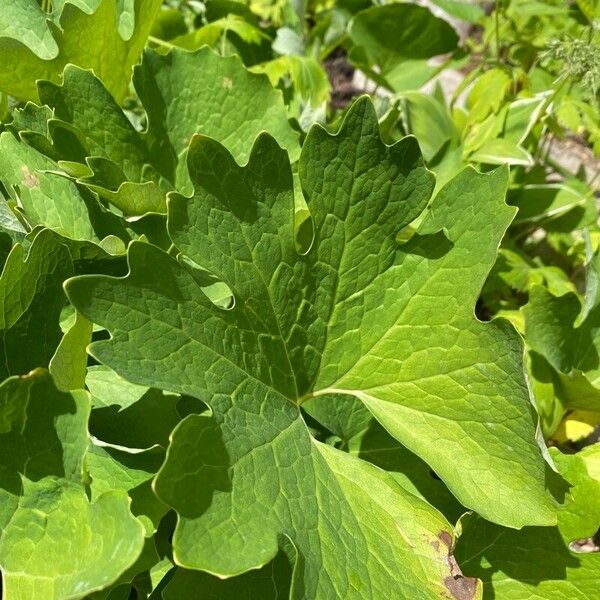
(266, 334)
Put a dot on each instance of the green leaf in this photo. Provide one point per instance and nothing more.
(551, 331)
(362, 436)
(31, 299)
(118, 167)
(487, 94)
(306, 75)
(78, 103)
(212, 33)
(69, 364)
(502, 152)
(113, 469)
(40, 558)
(539, 562)
(521, 116)
(559, 207)
(43, 436)
(399, 39)
(131, 170)
(137, 579)
(590, 9)
(565, 332)
(130, 415)
(43, 430)
(81, 38)
(281, 468)
(465, 11)
(23, 21)
(287, 42)
(429, 120)
(375, 445)
(107, 388)
(271, 582)
(10, 223)
(187, 93)
(46, 197)
(356, 318)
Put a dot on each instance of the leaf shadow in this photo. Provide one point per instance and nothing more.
(198, 465)
(587, 358)
(269, 582)
(428, 245)
(144, 423)
(537, 554)
(33, 447)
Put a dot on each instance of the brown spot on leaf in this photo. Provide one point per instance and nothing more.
(446, 539)
(586, 545)
(28, 178)
(461, 588)
(227, 83)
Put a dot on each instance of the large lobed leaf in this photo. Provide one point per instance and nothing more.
(355, 318)
(54, 543)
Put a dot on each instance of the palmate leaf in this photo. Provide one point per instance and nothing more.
(33, 48)
(355, 318)
(120, 163)
(54, 543)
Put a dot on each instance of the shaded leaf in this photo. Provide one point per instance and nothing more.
(44, 437)
(539, 562)
(31, 299)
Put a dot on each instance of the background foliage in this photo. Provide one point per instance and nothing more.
(266, 337)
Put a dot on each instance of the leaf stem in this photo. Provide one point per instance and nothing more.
(3, 105)
(160, 42)
(224, 40)
(497, 29)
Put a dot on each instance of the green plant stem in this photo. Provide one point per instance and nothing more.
(223, 41)
(160, 42)
(497, 29)
(3, 105)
